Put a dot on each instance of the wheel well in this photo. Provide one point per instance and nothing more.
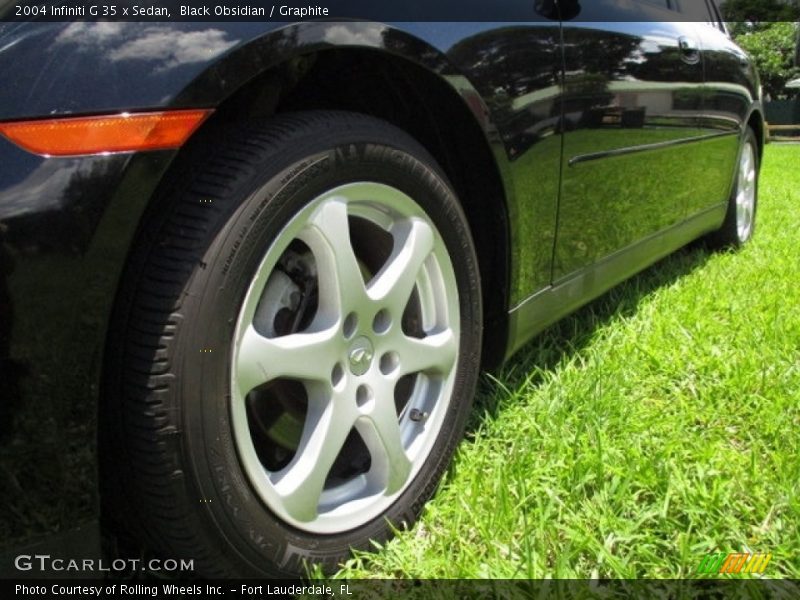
(424, 106)
(756, 122)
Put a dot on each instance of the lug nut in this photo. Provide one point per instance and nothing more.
(417, 415)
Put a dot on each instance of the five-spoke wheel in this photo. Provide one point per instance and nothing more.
(344, 357)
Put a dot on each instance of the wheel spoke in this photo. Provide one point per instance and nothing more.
(747, 172)
(380, 431)
(741, 203)
(394, 283)
(303, 356)
(341, 286)
(299, 485)
(436, 352)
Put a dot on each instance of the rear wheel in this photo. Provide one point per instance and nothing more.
(300, 349)
(740, 218)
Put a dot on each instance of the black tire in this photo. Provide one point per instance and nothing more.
(733, 233)
(170, 443)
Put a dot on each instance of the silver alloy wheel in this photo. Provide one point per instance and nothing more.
(746, 192)
(350, 355)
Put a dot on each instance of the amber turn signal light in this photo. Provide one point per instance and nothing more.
(126, 132)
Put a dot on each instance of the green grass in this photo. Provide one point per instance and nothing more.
(657, 424)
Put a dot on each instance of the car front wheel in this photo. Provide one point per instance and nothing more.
(300, 346)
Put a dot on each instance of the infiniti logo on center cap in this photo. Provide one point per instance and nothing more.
(361, 354)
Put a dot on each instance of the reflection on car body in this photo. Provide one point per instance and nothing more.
(265, 339)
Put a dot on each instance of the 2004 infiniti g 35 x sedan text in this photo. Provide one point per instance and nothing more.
(251, 271)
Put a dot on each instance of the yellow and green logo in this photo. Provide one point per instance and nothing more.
(735, 562)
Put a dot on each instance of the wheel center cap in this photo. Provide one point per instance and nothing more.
(360, 355)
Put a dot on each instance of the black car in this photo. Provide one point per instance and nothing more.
(250, 271)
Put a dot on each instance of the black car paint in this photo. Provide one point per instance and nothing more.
(554, 101)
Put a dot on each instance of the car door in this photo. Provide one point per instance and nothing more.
(632, 100)
(516, 68)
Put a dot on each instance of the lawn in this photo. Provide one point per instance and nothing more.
(655, 425)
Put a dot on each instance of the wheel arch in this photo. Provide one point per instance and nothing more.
(389, 74)
(755, 121)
